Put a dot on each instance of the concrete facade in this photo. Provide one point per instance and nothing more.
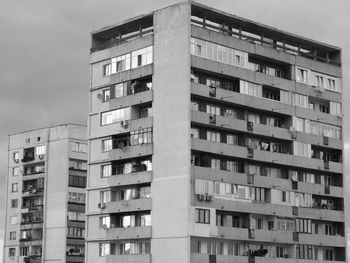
(49, 200)
(213, 138)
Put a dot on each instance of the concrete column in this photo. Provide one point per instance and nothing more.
(171, 115)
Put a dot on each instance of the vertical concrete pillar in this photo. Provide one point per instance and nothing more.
(171, 115)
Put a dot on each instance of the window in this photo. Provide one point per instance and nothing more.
(76, 231)
(141, 136)
(106, 95)
(279, 252)
(77, 164)
(335, 108)
(77, 181)
(285, 96)
(145, 112)
(213, 136)
(202, 216)
(107, 145)
(114, 116)
(299, 124)
(15, 171)
(300, 100)
(105, 222)
(128, 221)
(219, 53)
(302, 75)
(16, 157)
(259, 223)
(250, 88)
(106, 170)
(260, 194)
(79, 147)
(303, 225)
(145, 220)
(324, 108)
(104, 249)
(319, 81)
(329, 230)
(285, 224)
(14, 188)
(105, 196)
(12, 252)
(302, 149)
(75, 216)
(24, 251)
(213, 110)
(40, 150)
(12, 235)
(74, 197)
(328, 254)
(142, 57)
(304, 251)
(13, 220)
(120, 90)
(107, 69)
(204, 187)
(14, 203)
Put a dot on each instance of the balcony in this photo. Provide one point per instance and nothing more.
(259, 235)
(128, 205)
(322, 240)
(33, 192)
(32, 259)
(282, 47)
(144, 258)
(129, 152)
(129, 232)
(130, 178)
(263, 156)
(75, 258)
(32, 242)
(204, 258)
(33, 208)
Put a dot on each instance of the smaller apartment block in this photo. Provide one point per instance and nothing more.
(213, 139)
(45, 213)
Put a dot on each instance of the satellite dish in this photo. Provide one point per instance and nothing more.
(292, 129)
(99, 96)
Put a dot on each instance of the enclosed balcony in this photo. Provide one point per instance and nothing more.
(28, 155)
(33, 187)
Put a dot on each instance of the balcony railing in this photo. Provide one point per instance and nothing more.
(255, 40)
(33, 208)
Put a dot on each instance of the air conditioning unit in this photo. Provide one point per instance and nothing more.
(212, 119)
(250, 178)
(124, 123)
(250, 152)
(250, 126)
(212, 91)
(101, 205)
(293, 132)
(201, 197)
(209, 198)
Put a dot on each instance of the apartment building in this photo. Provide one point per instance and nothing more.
(45, 219)
(213, 138)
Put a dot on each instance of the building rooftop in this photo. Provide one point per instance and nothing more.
(213, 19)
(48, 127)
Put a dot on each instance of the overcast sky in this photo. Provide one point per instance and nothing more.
(44, 51)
